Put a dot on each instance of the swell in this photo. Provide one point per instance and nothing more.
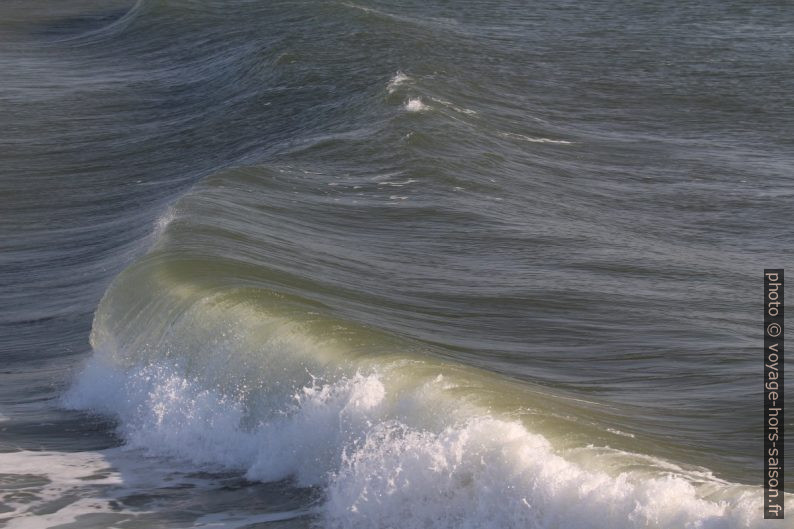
(207, 351)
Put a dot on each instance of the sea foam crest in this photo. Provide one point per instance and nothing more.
(385, 458)
(396, 81)
(415, 104)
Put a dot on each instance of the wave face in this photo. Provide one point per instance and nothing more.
(417, 265)
(226, 348)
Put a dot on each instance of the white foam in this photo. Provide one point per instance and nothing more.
(533, 139)
(49, 489)
(620, 432)
(396, 81)
(162, 222)
(415, 105)
(410, 458)
(58, 474)
(454, 107)
(94, 489)
(492, 473)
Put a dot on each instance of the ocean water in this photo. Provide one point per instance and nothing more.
(380, 264)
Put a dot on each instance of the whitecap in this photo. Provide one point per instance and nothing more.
(398, 79)
(415, 105)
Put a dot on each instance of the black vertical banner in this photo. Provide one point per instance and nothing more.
(773, 394)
